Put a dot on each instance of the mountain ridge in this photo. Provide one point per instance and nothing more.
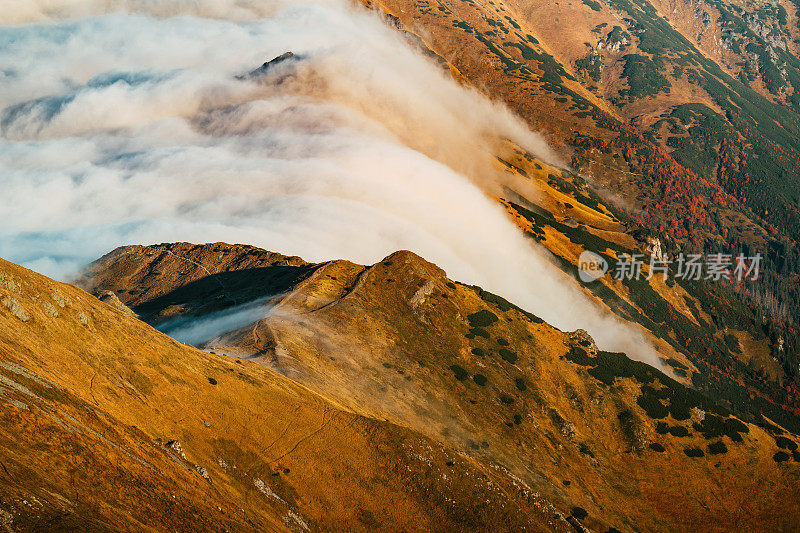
(385, 341)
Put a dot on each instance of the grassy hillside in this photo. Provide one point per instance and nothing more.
(589, 430)
(684, 114)
(109, 425)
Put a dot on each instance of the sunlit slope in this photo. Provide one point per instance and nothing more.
(110, 425)
(686, 114)
(591, 431)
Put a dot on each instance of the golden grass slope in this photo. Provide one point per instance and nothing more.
(399, 341)
(109, 425)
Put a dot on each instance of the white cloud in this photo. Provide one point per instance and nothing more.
(125, 128)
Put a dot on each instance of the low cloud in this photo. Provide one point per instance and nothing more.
(198, 331)
(128, 128)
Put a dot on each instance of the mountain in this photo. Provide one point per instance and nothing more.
(219, 386)
(683, 114)
(109, 425)
(610, 441)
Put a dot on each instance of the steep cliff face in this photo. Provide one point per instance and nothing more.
(398, 341)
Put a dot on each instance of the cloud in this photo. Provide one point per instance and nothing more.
(126, 128)
(20, 12)
(201, 330)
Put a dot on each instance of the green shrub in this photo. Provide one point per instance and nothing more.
(693, 452)
(717, 448)
(714, 426)
(652, 405)
(644, 76)
(480, 379)
(656, 447)
(732, 342)
(508, 355)
(780, 457)
(478, 332)
(678, 431)
(460, 372)
(595, 6)
(482, 319)
(579, 356)
(579, 513)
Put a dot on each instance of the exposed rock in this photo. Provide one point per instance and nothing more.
(422, 294)
(582, 337)
(698, 415)
(7, 282)
(175, 446)
(653, 247)
(266, 67)
(111, 299)
(16, 309)
(50, 309)
(202, 471)
(59, 298)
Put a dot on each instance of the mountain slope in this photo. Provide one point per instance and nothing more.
(590, 430)
(682, 152)
(109, 425)
(685, 113)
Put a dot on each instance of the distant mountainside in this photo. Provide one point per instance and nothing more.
(609, 441)
(685, 113)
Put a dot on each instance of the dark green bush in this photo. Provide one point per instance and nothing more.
(693, 452)
(717, 448)
(478, 332)
(678, 431)
(508, 355)
(595, 6)
(481, 319)
(579, 513)
(732, 342)
(781, 457)
(460, 372)
(714, 426)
